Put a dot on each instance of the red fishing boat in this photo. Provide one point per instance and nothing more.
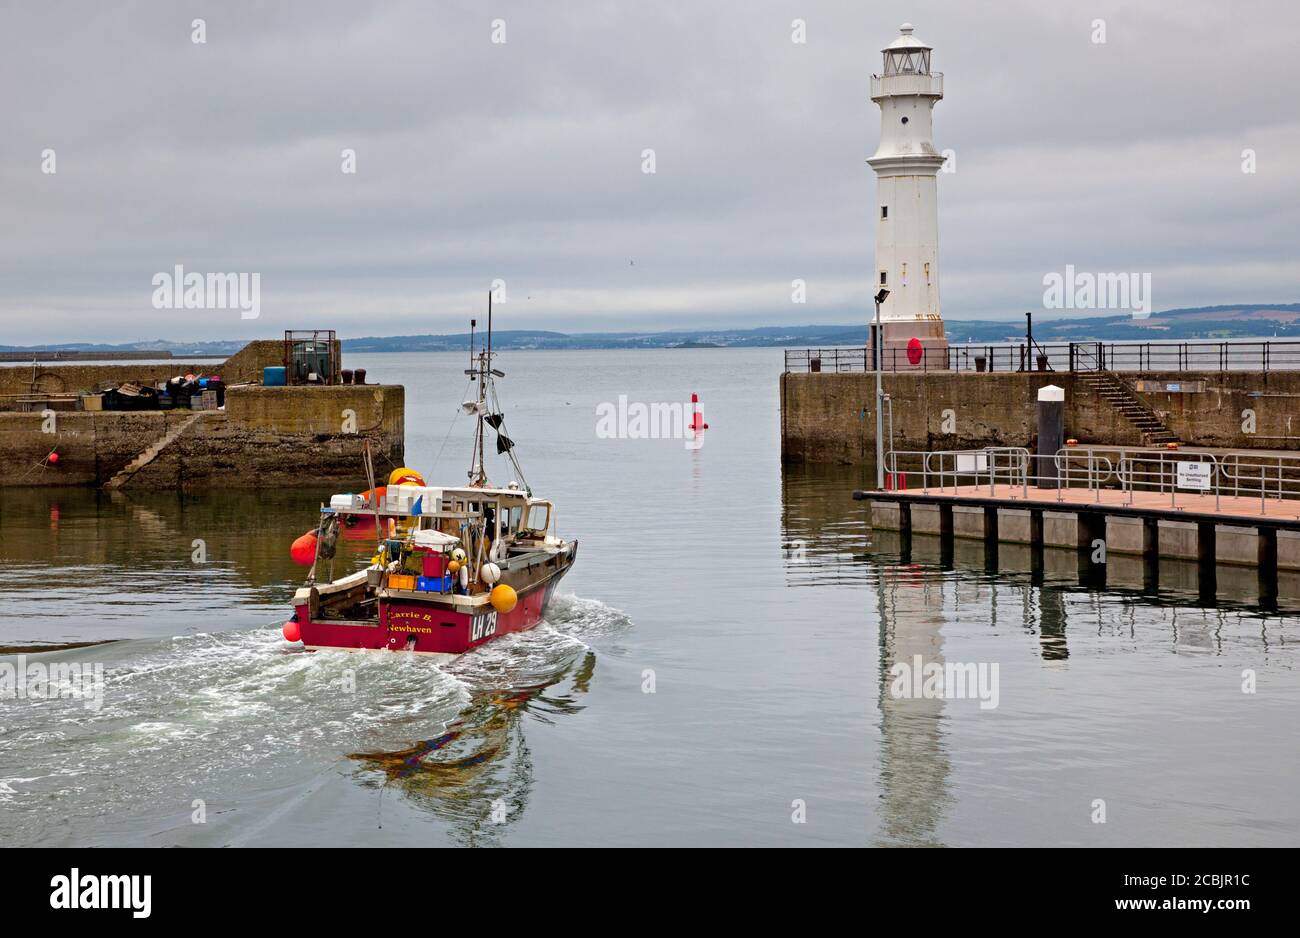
(455, 566)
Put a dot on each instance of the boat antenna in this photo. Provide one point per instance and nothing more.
(487, 399)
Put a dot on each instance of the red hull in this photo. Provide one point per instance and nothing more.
(428, 627)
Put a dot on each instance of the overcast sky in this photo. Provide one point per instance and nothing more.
(522, 160)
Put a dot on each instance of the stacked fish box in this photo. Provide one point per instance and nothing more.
(412, 499)
(206, 400)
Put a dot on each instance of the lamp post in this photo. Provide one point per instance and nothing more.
(878, 350)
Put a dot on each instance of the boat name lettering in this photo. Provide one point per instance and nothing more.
(422, 616)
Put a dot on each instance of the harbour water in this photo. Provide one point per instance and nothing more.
(717, 669)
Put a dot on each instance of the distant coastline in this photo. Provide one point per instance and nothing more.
(1255, 320)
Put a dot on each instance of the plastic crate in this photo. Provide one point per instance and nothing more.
(401, 581)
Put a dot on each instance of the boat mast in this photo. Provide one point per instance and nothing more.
(478, 472)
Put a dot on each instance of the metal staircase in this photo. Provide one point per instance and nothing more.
(1117, 392)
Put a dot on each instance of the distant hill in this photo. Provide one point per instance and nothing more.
(765, 337)
(214, 349)
(1256, 320)
(1205, 322)
(1281, 320)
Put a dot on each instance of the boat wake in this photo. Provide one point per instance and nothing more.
(196, 716)
(475, 773)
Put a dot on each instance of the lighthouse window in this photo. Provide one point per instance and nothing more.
(884, 211)
(904, 120)
(883, 278)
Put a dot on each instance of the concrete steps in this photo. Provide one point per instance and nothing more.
(151, 452)
(1112, 389)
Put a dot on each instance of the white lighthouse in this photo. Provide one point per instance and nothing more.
(907, 205)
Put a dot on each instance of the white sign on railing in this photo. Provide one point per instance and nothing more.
(1194, 475)
(972, 462)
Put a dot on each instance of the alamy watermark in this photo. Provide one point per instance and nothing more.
(656, 420)
(56, 680)
(948, 680)
(1075, 290)
(80, 890)
(180, 290)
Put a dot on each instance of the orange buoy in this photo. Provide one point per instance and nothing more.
(405, 476)
(1171, 446)
(53, 459)
(291, 631)
(303, 550)
(503, 598)
(1071, 442)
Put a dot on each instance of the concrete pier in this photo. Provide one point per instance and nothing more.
(1202, 531)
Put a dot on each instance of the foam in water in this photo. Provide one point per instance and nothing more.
(212, 711)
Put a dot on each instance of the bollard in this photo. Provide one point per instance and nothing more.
(1051, 434)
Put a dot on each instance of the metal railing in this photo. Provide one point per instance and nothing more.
(929, 83)
(1084, 467)
(1270, 475)
(1165, 470)
(992, 465)
(849, 358)
(1127, 470)
(1270, 355)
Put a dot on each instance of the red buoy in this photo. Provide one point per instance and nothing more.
(303, 550)
(697, 418)
(53, 459)
(914, 350)
(291, 631)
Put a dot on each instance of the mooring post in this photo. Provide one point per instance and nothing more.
(1036, 546)
(1051, 434)
(946, 546)
(1206, 573)
(1150, 554)
(990, 538)
(1090, 528)
(1266, 567)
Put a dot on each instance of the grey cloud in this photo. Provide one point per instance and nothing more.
(522, 161)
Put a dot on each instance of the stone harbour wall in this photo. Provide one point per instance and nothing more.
(830, 417)
(265, 436)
